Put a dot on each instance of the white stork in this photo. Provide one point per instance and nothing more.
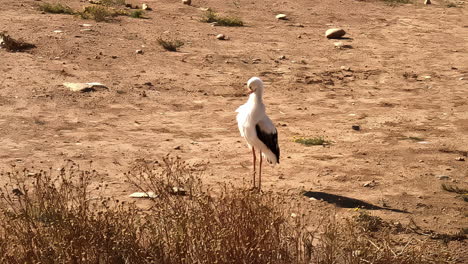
(257, 128)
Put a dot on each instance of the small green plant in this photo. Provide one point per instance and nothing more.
(98, 13)
(315, 141)
(136, 14)
(112, 2)
(56, 8)
(212, 17)
(170, 45)
(13, 45)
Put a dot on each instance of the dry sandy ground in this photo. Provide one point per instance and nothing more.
(408, 77)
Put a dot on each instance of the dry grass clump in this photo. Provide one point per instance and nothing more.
(463, 192)
(211, 17)
(56, 8)
(55, 216)
(100, 13)
(136, 14)
(395, 2)
(315, 141)
(170, 45)
(50, 217)
(111, 2)
(13, 45)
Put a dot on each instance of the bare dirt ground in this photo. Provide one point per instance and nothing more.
(407, 77)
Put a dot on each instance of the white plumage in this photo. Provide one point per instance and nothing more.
(257, 128)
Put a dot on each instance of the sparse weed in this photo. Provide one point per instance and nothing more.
(98, 13)
(396, 2)
(211, 17)
(170, 45)
(112, 2)
(56, 8)
(13, 45)
(315, 141)
(454, 188)
(136, 14)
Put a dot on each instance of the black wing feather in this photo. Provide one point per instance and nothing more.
(270, 140)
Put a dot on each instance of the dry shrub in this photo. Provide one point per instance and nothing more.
(98, 13)
(52, 217)
(56, 8)
(170, 45)
(13, 45)
(49, 217)
(235, 226)
(212, 17)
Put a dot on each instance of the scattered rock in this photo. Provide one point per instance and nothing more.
(335, 33)
(427, 2)
(139, 51)
(281, 17)
(187, 2)
(442, 177)
(345, 68)
(460, 159)
(150, 195)
(58, 31)
(221, 36)
(86, 25)
(84, 87)
(370, 184)
(178, 148)
(146, 7)
(341, 45)
(356, 127)
(178, 191)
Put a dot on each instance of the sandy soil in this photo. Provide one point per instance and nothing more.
(407, 77)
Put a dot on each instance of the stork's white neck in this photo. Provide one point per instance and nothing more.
(256, 98)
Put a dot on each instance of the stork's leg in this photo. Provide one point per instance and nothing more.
(260, 174)
(254, 163)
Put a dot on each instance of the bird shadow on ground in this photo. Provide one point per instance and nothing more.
(346, 202)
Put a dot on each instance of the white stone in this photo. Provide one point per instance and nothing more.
(281, 17)
(221, 37)
(143, 195)
(187, 2)
(335, 33)
(145, 7)
(84, 87)
(427, 2)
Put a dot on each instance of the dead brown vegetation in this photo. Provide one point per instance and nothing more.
(53, 216)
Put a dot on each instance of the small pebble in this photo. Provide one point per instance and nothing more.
(443, 177)
(187, 2)
(356, 127)
(221, 37)
(139, 51)
(460, 159)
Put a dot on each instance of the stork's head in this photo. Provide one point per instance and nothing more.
(255, 85)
